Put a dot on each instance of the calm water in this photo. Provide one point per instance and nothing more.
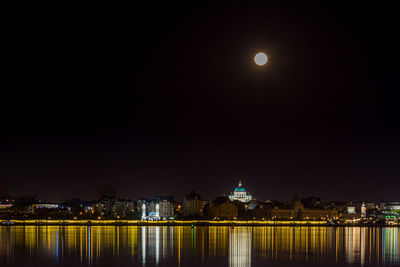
(200, 246)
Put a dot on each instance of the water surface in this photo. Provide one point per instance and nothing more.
(198, 246)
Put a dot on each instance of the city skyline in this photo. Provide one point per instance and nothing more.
(233, 194)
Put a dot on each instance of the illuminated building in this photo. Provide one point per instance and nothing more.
(391, 206)
(357, 210)
(351, 210)
(363, 211)
(166, 206)
(43, 206)
(142, 205)
(157, 208)
(6, 208)
(240, 194)
(154, 212)
(192, 205)
(143, 211)
(166, 209)
(390, 210)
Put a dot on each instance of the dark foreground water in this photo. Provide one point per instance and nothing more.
(198, 246)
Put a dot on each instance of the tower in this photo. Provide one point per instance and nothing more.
(143, 211)
(157, 210)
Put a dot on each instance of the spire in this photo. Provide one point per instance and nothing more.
(240, 183)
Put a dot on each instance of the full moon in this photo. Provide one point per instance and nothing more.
(260, 59)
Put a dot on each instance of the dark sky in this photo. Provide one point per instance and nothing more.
(159, 99)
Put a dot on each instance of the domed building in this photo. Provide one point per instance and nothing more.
(240, 194)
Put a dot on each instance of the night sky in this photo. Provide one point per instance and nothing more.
(160, 99)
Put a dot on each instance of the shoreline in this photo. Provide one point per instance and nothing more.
(183, 223)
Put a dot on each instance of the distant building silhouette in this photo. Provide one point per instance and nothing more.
(222, 208)
(296, 210)
(192, 205)
(112, 207)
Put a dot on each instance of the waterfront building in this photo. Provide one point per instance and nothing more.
(192, 205)
(240, 194)
(166, 209)
(222, 208)
(114, 207)
(158, 208)
(391, 206)
(153, 212)
(143, 211)
(37, 206)
(142, 205)
(363, 210)
(296, 210)
(262, 212)
(391, 210)
(357, 210)
(124, 207)
(163, 207)
(252, 204)
(178, 206)
(6, 208)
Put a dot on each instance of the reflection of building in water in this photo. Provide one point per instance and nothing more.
(153, 251)
(144, 245)
(390, 245)
(149, 246)
(352, 244)
(240, 247)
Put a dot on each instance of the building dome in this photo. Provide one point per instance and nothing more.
(240, 189)
(240, 194)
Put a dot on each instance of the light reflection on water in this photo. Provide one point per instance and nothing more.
(197, 246)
